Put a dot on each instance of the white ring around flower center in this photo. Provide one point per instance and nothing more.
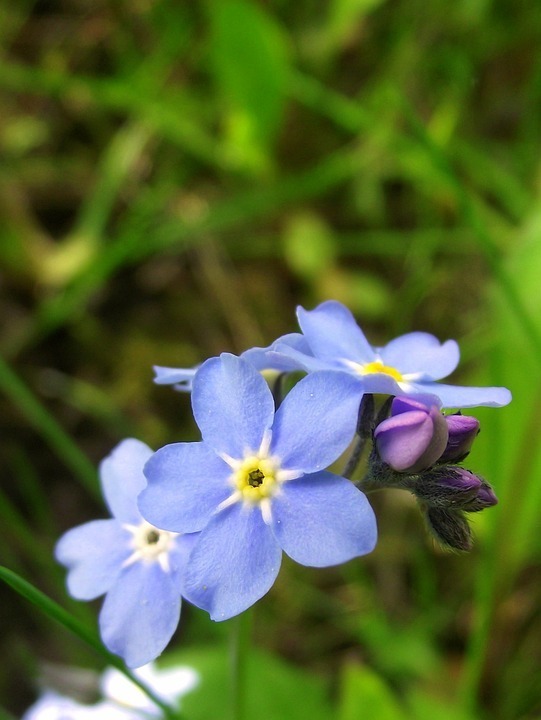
(150, 544)
(256, 477)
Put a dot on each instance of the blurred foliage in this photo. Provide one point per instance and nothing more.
(176, 176)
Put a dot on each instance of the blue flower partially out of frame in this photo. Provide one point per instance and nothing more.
(256, 485)
(260, 358)
(408, 365)
(138, 566)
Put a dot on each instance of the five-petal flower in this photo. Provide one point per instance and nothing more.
(139, 566)
(257, 484)
(408, 365)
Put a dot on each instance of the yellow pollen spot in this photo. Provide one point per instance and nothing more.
(255, 478)
(379, 367)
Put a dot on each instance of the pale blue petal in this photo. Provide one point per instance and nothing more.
(383, 384)
(332, 332)
(232, 405)
(420, 352)
(181, 377)
(323, 519)
(168, 684)
(52, 706)
(122, 478)
(94, 554)
(186, 483)
(406, 403)
(179, 555)
(267, 359)
(140, 613)
(457, 396)
(296, 360)
(316, 421)
(234, 563)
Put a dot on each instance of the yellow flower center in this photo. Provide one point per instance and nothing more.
(378, 367)
(255, 478)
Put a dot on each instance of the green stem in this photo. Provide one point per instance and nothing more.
(56, 612)
(241, 630)
(365, 423)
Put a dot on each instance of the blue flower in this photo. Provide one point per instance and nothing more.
(408, 365)
(136, 565)
(123, 700)
(256, 484)
(260, 358)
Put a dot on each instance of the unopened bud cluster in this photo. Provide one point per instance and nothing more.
(417, 448)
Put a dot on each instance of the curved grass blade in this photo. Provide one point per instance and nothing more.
(57, 613)
(42, 421)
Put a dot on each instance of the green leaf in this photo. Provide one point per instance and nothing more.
(344, 16)
(365, 694)
(250, 62)
(308, 245)
(275, 691)
(423, 706)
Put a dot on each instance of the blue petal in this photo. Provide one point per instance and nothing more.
(293, 359)
(267, 359)
(52, 706)
(186, 483)
(457, 396)
(140, 613)
(332, 332)
(94, 554)
(406, 403)
(234, 564)
(317, 420)
(181, 377)
(420, 352)
(122, 478)
(232, 405)
(323, 519)
(383, 384)
(179, 554)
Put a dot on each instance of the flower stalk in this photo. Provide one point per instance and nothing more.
(239, 649)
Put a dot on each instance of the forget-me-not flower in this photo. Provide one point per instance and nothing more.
(138, 566)
(260, 358)
(408, 365)
(256, 484)
(122, 699)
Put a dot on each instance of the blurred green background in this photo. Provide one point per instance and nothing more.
(176, 177)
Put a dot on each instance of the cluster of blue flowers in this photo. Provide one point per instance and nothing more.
(208, 521)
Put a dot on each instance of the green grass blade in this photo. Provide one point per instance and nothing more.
(46, 425)
(57, 613)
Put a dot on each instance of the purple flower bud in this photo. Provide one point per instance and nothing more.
(415, 435)
(484, 498)
(463, 430)
(447, 486)
(452, 487)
